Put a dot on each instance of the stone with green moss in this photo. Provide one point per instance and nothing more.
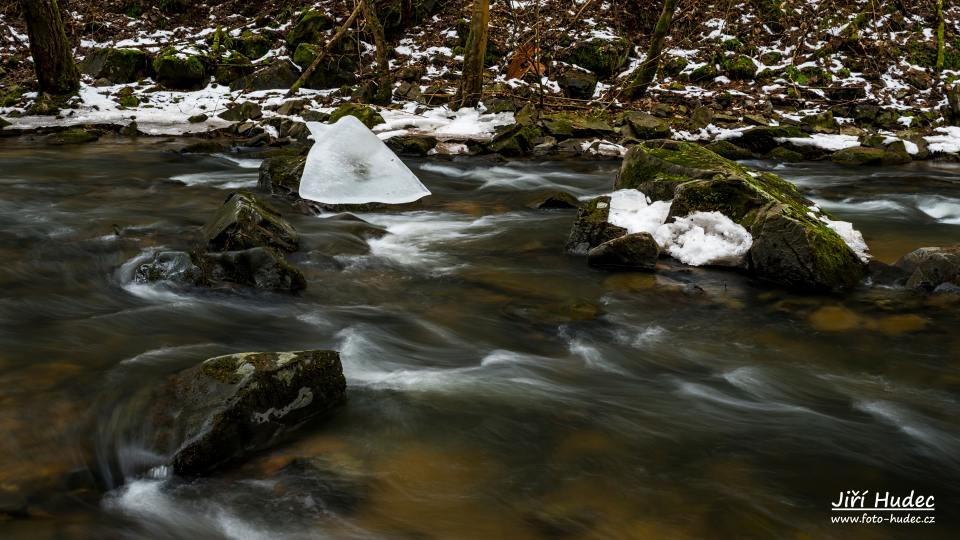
(117, 65)
(704, 73)
(180, 71)
(791, 245)
(73, 136)
(412, 145)
(605, 57)
(252, 45)
(365, 114)
(220, 411)
(11, 96)
(281, 175)
(782, 153)
(244, 221)
(861, 155)
(729, 150)
(515, 140)
(763, 139)
(231, 66)
(591, 228)
(567, 124)
(739, 68)
(309, 28)
(646, 126)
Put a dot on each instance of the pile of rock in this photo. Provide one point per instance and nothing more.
(244, 245)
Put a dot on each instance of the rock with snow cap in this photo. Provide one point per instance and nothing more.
(794, 243)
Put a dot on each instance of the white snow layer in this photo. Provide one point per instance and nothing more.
(850, 236)
(825, 141)
(632, 210)
(705, 238)
(698, 239)
(948, 140)
(348, 164)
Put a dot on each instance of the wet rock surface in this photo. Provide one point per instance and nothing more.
(638, 251)
(214, 414)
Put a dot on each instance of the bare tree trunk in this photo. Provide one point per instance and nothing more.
(471, 81)
(648, 70)
(940, 32)
(383, 65)
(57, 73)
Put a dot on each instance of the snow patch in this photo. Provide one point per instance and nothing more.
(705, 238)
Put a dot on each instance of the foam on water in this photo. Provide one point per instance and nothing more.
(243, 163)
(220, 179)
(913, 425)
(943, 209)
(515, 177)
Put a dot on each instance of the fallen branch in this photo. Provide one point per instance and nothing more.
(326, 50)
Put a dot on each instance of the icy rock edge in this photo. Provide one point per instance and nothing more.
(349, 164)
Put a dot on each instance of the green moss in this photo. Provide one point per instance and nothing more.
(365, 114)
(11, 96)
(740, 68)
(703, 73)
(180, 72)
(601, 56)
(308, 28)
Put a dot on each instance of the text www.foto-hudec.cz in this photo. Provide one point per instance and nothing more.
(874, 507)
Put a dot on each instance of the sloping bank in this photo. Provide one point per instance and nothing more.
(704, 209)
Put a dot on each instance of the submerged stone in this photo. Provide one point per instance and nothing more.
(258, 267)
(555, 200)
(215, 413)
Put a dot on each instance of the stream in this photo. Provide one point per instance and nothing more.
(497, 388)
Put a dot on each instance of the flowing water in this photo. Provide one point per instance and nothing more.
(497, 388)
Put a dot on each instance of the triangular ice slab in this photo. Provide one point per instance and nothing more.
(348, 164)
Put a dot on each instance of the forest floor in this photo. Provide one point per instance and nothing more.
(845, 73)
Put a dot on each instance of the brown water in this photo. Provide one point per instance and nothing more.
(498, 389)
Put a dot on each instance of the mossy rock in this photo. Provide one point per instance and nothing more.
(179, 71)
(591, 228)
(763, 139)
(365, 114)
(704, 73)
(252, 45)
(309, 28)
(645, 126)
(73, 136)
(820, 123)
(637, 251)
(729, 150)
(118, 66)
(11, 96)
(278, 75)
(334, 71)
(861, 155)
(232, 66)
(781, 153)
(222, 410)
(411, 145)
(515, 140)
(739, 68)
(244, 222)
(672, 66)
(567, 124)
(281, 175)
(604, 57)
(791, 246)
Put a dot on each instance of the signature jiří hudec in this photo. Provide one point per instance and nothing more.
(858, 500)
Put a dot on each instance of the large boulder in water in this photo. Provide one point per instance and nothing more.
(930, 268)
(245, 222)
(591, 227)
(215, 413)
(794, 243)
